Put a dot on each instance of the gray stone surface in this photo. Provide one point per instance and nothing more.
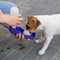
(30, 7)
(57, 56)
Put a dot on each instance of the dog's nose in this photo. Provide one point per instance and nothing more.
(29, 32)
(27, 27)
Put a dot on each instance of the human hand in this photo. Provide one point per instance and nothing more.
(11, 19)
(20, 36)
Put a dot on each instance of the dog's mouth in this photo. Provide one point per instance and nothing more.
(30, 28)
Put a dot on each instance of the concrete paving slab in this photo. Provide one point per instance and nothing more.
(27, 8)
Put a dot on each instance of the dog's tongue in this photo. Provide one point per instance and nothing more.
(26, 32)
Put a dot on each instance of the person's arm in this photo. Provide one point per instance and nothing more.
(1, 13)
(10, 19)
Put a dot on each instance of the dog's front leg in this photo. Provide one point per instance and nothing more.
(48, 40)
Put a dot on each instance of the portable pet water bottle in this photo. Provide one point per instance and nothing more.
(14, 10)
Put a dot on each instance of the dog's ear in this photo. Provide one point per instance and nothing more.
(30, 17)
(38, 23)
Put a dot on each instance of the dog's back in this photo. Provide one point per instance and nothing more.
(56, 18)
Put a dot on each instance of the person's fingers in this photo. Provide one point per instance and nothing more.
(28, 39)
(15, 24)
(22, 37)
(17, 35)
(15, 15)
(20, 19)
(18, 23)
(18, 15)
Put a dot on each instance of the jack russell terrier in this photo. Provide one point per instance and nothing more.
(49, 24)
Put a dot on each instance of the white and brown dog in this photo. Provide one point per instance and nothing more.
(50, 24)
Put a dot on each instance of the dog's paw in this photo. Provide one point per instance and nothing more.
(41, 52)
(38, 41)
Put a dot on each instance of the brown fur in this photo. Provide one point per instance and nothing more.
(32, 23)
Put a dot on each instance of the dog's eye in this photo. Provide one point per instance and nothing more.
(27, 27)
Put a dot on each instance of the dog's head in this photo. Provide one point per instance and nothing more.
(32, 23)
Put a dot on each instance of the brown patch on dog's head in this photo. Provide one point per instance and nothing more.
(32, 23)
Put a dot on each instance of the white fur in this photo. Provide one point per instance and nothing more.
(50, 24)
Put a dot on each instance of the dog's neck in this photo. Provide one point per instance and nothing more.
(42, 19)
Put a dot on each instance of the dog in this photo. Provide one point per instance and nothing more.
(49, 24)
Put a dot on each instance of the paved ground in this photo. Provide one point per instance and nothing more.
(10, 47)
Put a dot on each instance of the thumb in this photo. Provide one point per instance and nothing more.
(28, 39)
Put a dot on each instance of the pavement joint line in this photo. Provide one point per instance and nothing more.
(37, 58)
(25, 54)
(9, 54)
(56, 55)
(55, 47)
(51, 46)
(11, 42)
